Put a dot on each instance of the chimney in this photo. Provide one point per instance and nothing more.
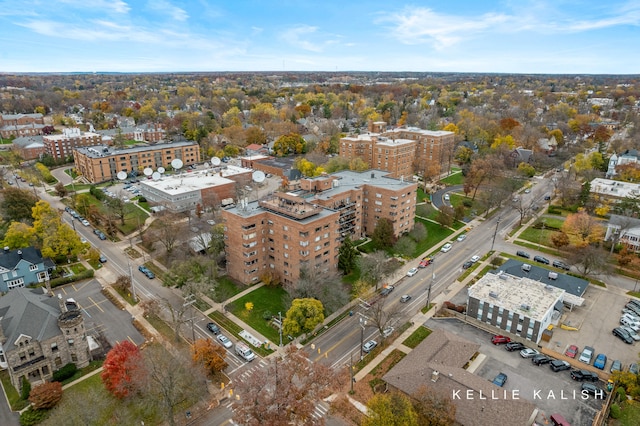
(20, 253)
(6, 249)
(63, 306)
(435, 375)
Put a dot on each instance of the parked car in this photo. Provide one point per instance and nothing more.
(528, 353)
(584, 375)
(411, 272)
(633, 368)
(461, 237)
(224, 340)
(102, 236)
(146, 271)
(387, 331)
(446, 197)
(425, 262)
(468, 264)
(541, 259)
(213, 327)
(592, 389)
(616, 365)
(630, 323)
(514, 346)
(500, 379)
(633, 308)
(475, 258)
(85, 222)
(547, 197)
(561, 265)
(586, 355)
(405, 298)
(386, 290)
(631, 313)
(634, 302)
(523, 254)
(600, 362)
(445, 248)
(497, 339)
(623, 335)
(559, 365)
(369, 346)
(540, 359)
(102, 259)
(571, 351)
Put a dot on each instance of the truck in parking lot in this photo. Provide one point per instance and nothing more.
(245, 352)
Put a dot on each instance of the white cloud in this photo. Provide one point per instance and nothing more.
(164, 6)
(297, 36)
(117, 6)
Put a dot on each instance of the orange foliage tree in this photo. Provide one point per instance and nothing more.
(46, 395)
(123, 369)
(582, 229)
(211, 356)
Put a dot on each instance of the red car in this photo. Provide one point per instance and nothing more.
(571, 351)
(425, 262)
(496, 340)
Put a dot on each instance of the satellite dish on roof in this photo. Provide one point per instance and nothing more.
(215, 161)
(156, 176)
(160, 169)
(258, 176)
(176, 163)
(122, 175)
(148, 171)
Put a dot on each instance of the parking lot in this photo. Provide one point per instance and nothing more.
(100, 315)
(550, 392)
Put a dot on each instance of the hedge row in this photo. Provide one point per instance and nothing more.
(71, 278)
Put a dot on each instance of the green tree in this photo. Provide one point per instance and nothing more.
(405, 246)
(17, 204)
(383, 236)
(19, 235)
(445, 216)
(303, 316)
(347, 256)
(291, 143)
(390, 409)
(526, 169)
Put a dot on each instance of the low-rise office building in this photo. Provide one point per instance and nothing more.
(102, 163)
(518, 305)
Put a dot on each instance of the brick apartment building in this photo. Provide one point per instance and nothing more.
(62, 146)
(19, 125)
(403, 151)
(102, 163)
(286, 232)
(151, 133)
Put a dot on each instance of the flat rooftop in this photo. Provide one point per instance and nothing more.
(614, 188)
(517, 294)
(194, 181)
(100, 151)
(349, 179)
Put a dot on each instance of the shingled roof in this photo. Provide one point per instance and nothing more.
(447, 354)
(9, 259)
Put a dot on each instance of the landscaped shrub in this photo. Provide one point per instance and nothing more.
(65, 372)
(72, 278)
(46, 395)
(33, 417)
(615, 411)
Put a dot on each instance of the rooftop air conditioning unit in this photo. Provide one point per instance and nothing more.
(525, 307)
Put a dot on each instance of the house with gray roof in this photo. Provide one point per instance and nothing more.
(23, 267)
(29, 147)
(39, 334)
(438, 365)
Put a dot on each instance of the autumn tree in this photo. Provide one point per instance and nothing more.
(167, 230)
(357, 164)
(383, 316)
(19, 235)
(481, 171)
(582, 229)
(122, 371)
(589, 260)
(560, 240)
(303, 316)
(286, 392)
(433, 409)
(209, 355)
(375, 267)
(383, 236)
(347, 256)
(445, 216)
(61, 190)
(17, 204)
(46, 395)
(390, 409)
(326, 286)
(291, 143)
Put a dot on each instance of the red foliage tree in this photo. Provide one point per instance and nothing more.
(46, 395)
(123, 369)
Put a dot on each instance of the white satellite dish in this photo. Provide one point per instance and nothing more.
(148, 171)
(156, 176)
(160, 169)
(122, 175)
(215, 161)
(176, 163)
(258, 176)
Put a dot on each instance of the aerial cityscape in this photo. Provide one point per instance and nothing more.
(349, 214)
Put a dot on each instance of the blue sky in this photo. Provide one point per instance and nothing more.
(512, 36)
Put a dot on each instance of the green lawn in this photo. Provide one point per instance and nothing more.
(630, 414)
(134, 216)
(265, 300)
(422, 196)
(453, 179)
(457, 200)
(76, 268)
(225, 289)
(417, 336)
(436, 234)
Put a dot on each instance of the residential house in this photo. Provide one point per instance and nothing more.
(630, 156)
(624, 230)
(23, 267)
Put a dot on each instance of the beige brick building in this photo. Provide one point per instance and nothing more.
(62, 146)
(39, 334)
(288, 231)
(102, 163)
(402, 151)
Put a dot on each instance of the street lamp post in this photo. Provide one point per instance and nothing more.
(495, 232)
(433, 278)
(363, 323)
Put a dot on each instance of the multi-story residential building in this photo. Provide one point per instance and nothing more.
(151, 133)
(19, 125)
(518, 305)
(62, 146)
(286, 232)
(183, 192)
(20, 268)
(102, 163)
(29, 147)
(403, 151)
(39, 334)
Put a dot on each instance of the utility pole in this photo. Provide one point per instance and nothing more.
(280, 328)
(189, 301)
(495, 233)
(433, 278)
(133, 286)
(363, 323)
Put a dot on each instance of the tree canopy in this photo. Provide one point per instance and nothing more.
(303, 316)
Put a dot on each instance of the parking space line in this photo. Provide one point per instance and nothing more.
(86, 283)
(131, 340)
(96, 304)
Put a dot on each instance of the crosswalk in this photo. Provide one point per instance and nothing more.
(320, 410)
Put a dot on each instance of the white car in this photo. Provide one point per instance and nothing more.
(474, 259)
(445, 248)
(387, 332)
(412, 272)
(528, 353)
(224, 340)
(369, 346)
(631, 332)
(462, 237)
(85, 222)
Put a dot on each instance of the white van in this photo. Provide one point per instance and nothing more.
(244, 351)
